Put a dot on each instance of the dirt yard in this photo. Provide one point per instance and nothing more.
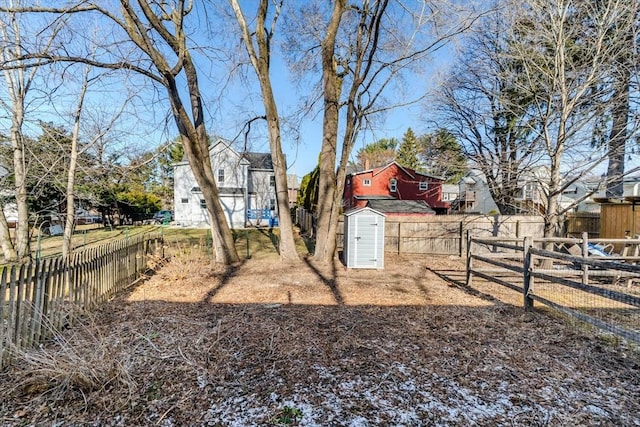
(312, 345)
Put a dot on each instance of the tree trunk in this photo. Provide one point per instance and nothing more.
(71, 174)
(260, 62)
(331, 81)
(70, 198)
(22, 227)
(190, 124)
(196, 147)
(618, 137)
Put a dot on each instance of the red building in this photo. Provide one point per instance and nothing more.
(393, 182)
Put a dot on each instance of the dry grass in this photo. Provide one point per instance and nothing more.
(73, 365)
(262, 343)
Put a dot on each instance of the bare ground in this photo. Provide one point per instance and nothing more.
(318, 345)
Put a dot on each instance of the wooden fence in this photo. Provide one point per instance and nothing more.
(441, 234)
(577, 223)
(620, 220)
(541, 271)
(41, 297)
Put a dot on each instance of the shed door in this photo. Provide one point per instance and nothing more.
(366, 241)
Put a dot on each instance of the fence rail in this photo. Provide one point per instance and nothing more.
(42, 296)
(440, 234)
(542, 272)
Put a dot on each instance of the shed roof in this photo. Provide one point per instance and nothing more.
(401, 206)
(357, 210)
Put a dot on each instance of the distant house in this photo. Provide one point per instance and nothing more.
(393, 182)
(474, 195)
(450, 192)
(579, 196)
(294, 187)
(245, 182)
(630, 186)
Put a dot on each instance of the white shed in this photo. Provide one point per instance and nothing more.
(363, 238)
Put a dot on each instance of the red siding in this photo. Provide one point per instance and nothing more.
(408, 186)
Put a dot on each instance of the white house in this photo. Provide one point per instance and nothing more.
(474, 195)
(245, 182)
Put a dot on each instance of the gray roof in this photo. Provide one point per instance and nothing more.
(259, 160)
(401, 206)
(371, 197)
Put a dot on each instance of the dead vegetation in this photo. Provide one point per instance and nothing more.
(316, 345)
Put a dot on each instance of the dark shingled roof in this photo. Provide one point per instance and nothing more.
(259, 160)
(401, 206)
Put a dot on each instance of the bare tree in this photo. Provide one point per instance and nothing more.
(156, 46)
(76, 150)
(19, 80)
(260, 57)
(565, 48)
(484, 104)
(624, 65)
(366, 48)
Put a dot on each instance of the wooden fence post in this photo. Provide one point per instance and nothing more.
(4, 330)
(585, 254)
(469, 259)
(528, 301)
(461, 245)
(399, 236)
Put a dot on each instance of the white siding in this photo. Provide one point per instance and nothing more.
(233, 206)
(189, 214)
(241, 189)
(235, 167)
(260, 189)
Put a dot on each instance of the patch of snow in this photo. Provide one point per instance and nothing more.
(400, 400)
(596, 410)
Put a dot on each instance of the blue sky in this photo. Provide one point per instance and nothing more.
(148, 124)
(302, 155)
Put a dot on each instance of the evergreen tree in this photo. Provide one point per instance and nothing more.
(379, 153)
(442, 155)
(407, 155)
(308, 192)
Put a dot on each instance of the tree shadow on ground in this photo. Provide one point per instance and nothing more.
(225, 276)
(457, 278)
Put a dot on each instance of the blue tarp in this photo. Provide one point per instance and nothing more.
(265, 215)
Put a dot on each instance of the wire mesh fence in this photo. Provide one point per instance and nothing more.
(579, 278)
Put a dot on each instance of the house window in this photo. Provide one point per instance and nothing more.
(393, 185)
(203, 203)
(272, 204)
(366, 182)
(423, 186)
(196, 190)
(220, 176)
(184, 200)
(272, 181)
(530, 191)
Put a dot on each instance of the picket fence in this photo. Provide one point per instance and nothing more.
(41, 297)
